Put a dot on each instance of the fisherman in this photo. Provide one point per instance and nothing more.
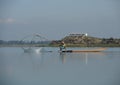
(62, 45)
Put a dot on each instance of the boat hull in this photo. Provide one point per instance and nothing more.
(89, 50)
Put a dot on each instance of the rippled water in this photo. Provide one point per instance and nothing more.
(53, 68)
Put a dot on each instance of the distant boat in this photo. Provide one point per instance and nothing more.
(86, 50)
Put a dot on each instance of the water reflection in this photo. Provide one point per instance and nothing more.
(43, 59)
(86, 58)
(32, 59)
(81, 57)
(63, 57)
(53, 68)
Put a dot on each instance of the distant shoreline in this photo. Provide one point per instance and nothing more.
(70, 45)
(71, 40)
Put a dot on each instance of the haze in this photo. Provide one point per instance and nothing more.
(54, 19)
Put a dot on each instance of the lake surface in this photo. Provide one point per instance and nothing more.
(53, 68)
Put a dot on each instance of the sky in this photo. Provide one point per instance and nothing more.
(55, 19)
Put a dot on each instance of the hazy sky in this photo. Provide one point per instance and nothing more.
(55, 19)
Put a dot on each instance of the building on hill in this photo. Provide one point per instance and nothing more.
(76, 34)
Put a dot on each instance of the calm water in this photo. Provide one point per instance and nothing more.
(52, 68)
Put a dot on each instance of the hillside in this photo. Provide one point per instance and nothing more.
(83, 40)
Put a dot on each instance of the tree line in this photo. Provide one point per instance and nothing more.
(11, 42)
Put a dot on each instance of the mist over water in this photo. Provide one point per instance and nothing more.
(53, 68)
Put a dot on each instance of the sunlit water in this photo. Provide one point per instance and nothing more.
(53, 68)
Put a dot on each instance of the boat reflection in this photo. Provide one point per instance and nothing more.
(42, 60)
(81, 57)
(63, 57)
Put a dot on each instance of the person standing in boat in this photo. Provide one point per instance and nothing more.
(62, 45)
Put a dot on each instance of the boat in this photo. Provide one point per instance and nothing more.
(87, 50)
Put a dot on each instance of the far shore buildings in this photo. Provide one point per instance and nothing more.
(74, 34)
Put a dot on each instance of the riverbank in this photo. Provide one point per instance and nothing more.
(83, 45)
(57, 45)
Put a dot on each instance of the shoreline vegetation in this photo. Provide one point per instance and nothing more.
(72, 40)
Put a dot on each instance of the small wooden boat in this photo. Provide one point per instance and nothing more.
(87, 50)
